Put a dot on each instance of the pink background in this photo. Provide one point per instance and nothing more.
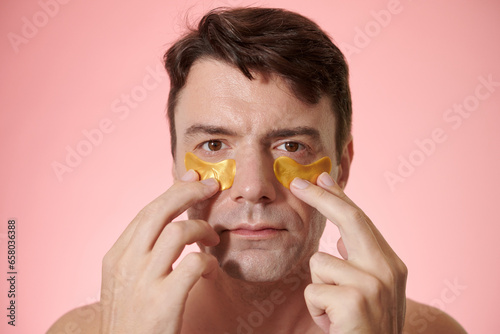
(68, 75)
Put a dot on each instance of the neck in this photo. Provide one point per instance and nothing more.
(228, 305)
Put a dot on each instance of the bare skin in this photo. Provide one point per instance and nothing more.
(258, 270)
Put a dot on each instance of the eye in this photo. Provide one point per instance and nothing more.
(291, 146)
(212, 145)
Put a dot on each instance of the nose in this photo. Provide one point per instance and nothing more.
(254, 181)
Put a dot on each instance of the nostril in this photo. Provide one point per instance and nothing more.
(254, 180)
(252, 191)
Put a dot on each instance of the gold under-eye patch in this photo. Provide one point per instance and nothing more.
(286, 169)
(221, 171)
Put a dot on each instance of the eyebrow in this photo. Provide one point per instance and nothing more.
(292, 132)
(196, 129)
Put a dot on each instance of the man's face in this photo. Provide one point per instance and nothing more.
(265, 230)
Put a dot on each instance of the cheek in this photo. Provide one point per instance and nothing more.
(202, 210)
(178, 168)
(213, 210)
(313, 222)
(317, 225)
(335, 172)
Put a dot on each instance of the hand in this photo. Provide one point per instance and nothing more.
(365, 291)
(140, 292)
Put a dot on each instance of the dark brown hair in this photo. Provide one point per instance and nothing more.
(267, 41)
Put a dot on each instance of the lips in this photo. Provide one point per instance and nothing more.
(254, 231)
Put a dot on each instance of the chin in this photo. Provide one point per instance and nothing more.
(259, 265)
(255, 267)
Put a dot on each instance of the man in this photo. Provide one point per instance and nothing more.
(252, 85)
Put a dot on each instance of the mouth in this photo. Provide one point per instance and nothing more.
(254, 232)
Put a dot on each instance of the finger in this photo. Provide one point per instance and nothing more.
(328, 269)
(342, 306)
(365, 288)
(180, 281)
(172, 240)
(359, 240)
(122, 242)
(326, 182)
(156, 215)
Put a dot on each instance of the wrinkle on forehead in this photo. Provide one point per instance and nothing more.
(211, 78)
(233, 81)
(219, 94)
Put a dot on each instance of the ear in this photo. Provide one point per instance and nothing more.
(345, 163)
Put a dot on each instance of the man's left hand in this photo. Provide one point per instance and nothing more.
(365, 291)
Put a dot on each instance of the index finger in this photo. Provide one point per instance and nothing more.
(358, 236)
(145, 228)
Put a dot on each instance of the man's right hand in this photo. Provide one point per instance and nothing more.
(140, 292)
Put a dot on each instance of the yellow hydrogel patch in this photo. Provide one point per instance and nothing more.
(286, 169)
(221, 171)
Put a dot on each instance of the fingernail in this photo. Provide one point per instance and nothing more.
(211, 182)
(299, 183)
(326, 179)
(189, 176)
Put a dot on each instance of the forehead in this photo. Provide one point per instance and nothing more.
(218, 94)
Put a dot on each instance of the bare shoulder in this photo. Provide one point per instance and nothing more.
(85, 319)
(425, 319)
